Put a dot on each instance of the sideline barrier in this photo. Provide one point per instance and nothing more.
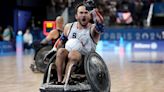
(132, 39)
(133, 34)
(6, 48)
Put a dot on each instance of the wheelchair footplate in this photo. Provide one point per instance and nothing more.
(79, 87)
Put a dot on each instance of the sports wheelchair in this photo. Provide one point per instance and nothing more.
(95, 79)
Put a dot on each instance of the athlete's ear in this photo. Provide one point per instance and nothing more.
(76, 17)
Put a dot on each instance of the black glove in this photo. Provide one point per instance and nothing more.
(48, 56)
(90, 5)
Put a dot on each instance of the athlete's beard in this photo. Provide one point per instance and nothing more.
(84, 25)
(83, 22)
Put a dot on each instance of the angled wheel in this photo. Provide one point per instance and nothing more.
(41, 66)
(97, 73)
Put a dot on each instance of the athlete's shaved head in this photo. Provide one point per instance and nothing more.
(59, 22)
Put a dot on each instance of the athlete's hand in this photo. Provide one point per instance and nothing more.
(48, 56)
(90, 5)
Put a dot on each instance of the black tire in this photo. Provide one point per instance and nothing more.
(97, 85)
(41, 66)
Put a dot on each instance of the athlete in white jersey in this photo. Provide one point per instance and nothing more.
(86, 32)
(84, 35)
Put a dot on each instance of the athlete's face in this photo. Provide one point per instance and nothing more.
(83, 15)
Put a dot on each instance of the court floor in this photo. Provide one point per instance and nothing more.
(129, 72)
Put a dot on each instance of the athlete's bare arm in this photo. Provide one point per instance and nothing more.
(54, 34)
(61, 41)
(95, 32)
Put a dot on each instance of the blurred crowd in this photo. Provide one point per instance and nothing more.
(116, 12)
(131, 12)
(7, 35)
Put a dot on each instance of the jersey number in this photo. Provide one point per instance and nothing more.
(74, 35)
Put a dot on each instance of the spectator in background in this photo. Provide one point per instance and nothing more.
(27, 39)
(137, 12)
(124, 14)
(8, 34)
(111, 11)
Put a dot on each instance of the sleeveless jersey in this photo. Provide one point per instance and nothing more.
(84, 35)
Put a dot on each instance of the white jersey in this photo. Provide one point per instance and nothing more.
(84, 36)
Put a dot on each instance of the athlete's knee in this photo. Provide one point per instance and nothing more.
(62, 52)
(61, 56)
(74, 56)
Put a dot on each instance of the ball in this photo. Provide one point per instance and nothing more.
(73, 44)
